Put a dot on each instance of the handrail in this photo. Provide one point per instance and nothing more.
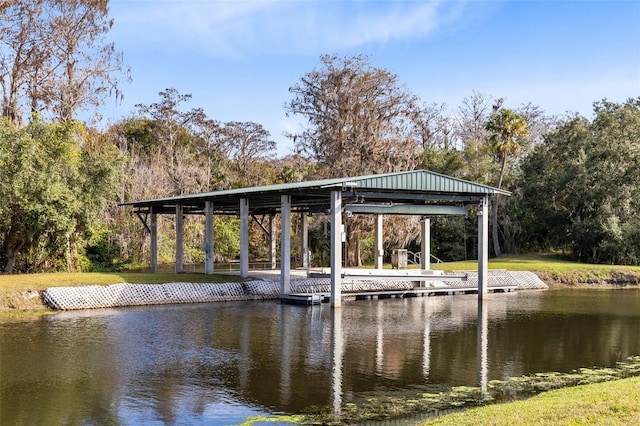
(416, 259)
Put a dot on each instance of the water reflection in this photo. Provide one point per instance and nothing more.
(426, 340)
(219, 363)
(483, 344)
(337, 352)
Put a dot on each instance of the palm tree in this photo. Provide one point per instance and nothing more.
(507, 129)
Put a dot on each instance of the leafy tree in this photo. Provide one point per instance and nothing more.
(52, 190)
(54, 57)
(247, 144)
(209, 143)
(183, 151)
(436, 135)
(359, 121)
(136, 137)
(176, 148)
(359, 118)
(508, 130)
(469, 129)
(580, 187)
(171, 123)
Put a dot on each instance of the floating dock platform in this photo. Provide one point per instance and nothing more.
(318, 298)
(304, 299)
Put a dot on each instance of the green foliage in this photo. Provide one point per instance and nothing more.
(138, 136)
(449, 237)
(100, 254)
(448, 162)
(580, 189)
(508, 130)
(319, 244)
(51, 189)
(226, 238)
(367, 249)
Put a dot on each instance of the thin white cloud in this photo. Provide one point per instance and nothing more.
(238, 28)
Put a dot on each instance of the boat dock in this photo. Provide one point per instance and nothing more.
(318, 298)
(368, 284)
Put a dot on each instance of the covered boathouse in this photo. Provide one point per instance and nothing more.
(418, 192)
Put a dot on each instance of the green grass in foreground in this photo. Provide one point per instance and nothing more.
(610, 403)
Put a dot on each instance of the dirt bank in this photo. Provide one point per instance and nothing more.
(591, 278)
(27, 301)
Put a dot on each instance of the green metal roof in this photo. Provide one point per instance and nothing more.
(419, 186)
(424, 181)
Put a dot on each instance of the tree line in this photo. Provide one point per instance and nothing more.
(575, 180)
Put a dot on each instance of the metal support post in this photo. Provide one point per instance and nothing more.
(425, 253)
(208, 238)
(179, 238)
(285, 245)
(244, 237)
(336, 249)
(483, 247)
(379, 237)
(153, 232)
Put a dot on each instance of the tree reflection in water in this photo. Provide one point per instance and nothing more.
(219, 363)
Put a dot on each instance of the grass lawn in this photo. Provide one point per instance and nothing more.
(553, 269)
(539, 263)
(41, 281)
(19, 292)
(609, 403)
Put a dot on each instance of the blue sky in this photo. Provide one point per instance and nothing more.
(239, 58)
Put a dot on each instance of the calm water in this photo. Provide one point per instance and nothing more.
(220, 363)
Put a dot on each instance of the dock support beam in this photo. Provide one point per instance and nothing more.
(272, 241)
(336, 249)
(208, 237)
(379, 237)
(285, 245)
(244, 237)
(154, 242)
(179, 238)
(304, 241)
(483, 247)
(425, 252)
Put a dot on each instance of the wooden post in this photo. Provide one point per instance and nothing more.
(285, 245)
(208, 238)
(379, 237)
(154, 241)
(483, 247)
(336, 249)
(244, 237)
(179, 239)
